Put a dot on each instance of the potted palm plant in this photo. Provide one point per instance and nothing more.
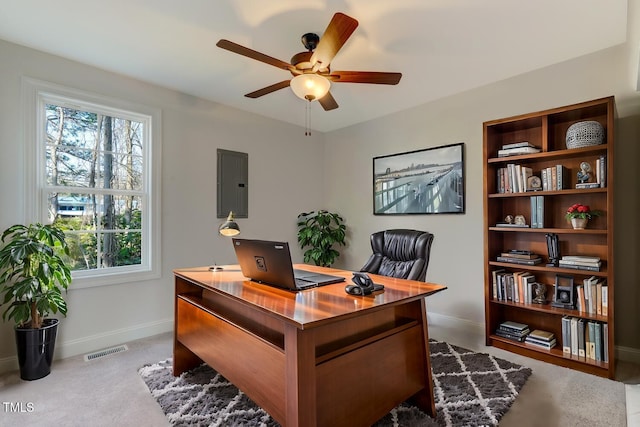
(32, 278)
(320, 231)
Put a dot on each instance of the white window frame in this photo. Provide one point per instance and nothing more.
(36, 94)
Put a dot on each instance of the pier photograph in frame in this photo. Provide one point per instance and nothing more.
(429, 181)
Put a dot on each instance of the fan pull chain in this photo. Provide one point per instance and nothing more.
(307, 119)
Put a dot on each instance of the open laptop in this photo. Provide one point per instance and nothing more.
(269, 262)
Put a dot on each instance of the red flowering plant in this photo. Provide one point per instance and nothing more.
(581, 211)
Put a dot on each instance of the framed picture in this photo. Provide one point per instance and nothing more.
(429, 181)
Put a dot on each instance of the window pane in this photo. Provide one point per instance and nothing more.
(85, 149)
(82, 251)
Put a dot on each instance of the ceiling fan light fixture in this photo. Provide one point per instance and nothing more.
(310, 86)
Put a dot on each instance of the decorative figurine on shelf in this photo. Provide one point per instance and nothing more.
(508, 219)
(584, 175)
(540, 293)
(519, 220)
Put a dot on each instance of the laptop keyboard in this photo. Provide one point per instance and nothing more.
(304, 284)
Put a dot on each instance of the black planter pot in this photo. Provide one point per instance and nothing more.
(35, 349)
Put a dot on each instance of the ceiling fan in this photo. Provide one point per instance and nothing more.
(312, 75)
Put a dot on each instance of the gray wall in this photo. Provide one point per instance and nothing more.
(457, 252)
(283, 181)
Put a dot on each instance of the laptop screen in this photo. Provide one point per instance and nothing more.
(269, 262)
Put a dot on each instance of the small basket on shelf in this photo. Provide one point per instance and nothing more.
(585, 134)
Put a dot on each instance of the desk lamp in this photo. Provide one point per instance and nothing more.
(229, 228)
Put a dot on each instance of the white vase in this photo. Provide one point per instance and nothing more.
(579, 223)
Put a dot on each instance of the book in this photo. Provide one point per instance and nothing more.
(527, 283)
(511, 332)
(513, 337)
(591, 351)
(542, 335)
(533, 261)
(515, 326)
(580, 301)
(540, 212)
(581, 350)
(574, 336)
(598, 335)
(517, 151)
(581, 258)
(517, 145)
(605, 342)
(605, 300)
(566, 335)
(494, 283)
(534, 211)
(521, 252)
(506, 224)
(587, 185)
(519, 256)
(546, 345)
(579, 267)
(562, 174)
(584, 263)
(603, 171)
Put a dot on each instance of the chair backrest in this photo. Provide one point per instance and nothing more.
(400, 253)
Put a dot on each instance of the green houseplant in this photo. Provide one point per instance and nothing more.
(32, 278)
(320, 231)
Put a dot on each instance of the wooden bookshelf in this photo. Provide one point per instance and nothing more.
(547, 131)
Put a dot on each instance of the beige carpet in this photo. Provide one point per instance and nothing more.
(109, 392)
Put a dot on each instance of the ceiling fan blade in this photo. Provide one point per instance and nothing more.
(335, 36)
(372, 77)
(267, 90)
(327, 102)
(250, 53)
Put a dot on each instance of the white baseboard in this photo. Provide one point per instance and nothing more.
(462, 325)
(97, 342)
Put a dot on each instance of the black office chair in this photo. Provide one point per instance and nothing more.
(400, 253)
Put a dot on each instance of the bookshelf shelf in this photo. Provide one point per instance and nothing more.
(555, 356)
(550, 193)
(548, 230)
(548, 155)
(546, 308)
(505, 196)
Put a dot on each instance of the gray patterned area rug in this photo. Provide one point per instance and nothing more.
(470, 389)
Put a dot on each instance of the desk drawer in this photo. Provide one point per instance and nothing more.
(367, 383)
(250, 363)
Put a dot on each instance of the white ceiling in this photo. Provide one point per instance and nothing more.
(441, 47)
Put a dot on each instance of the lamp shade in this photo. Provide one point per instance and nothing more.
(229, 228)
(310, 86)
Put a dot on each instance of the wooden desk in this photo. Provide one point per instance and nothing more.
(318, 357)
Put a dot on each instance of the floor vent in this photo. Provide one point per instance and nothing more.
(105, 352)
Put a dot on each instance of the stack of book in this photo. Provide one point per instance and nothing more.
(593, 296)
(516, 256)
(537, 211)
(513, 286)
(513, 178)
(542, 339)
(517, 148)
(513, 330)
(585, 338)
(580, 262)
(554, 178)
